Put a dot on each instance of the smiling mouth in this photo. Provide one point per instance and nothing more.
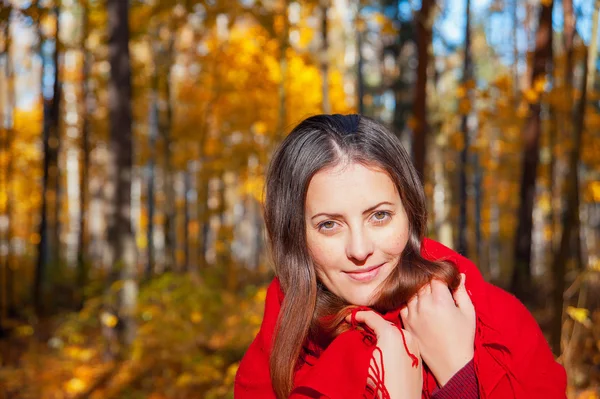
(365, 275)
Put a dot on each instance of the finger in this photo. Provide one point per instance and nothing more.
(424, 297)
(461, 297)
(424, 290)
(412, 304)
(404, 316)
(374, 321)
(440, 292)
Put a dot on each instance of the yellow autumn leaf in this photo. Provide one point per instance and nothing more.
(461, 91)
(594, 188)
(142, 241)
(24, 331)
(260, 295)
(548, 233)
(503, 82)
(588, 394)
(75, 385)
(464, 106)
(259, 127)
(545, 203)
(361, 25)
(196, 317)
(184, 379)
(389, 29)
(595, 265)
(522, 110)
(531, 96)
(580, 315)
(108, 319)
(539, 84)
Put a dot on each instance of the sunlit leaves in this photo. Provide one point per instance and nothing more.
(109, 320)
(592, 192)
(253, 186)
(580, 315)
(75, 386)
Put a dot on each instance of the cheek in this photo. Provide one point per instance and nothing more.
(323, 254)
(395, 241)
(397, 244)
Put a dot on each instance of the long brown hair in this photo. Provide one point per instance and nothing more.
(309, 310)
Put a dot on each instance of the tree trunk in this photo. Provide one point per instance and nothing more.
(203, 214)
(571, 213)
(521, 279)
(120, 230)
(516, 56)
(360, 62)
(423, 34)
(559, 267)
(187, 187)
(169, 209)
(464, 127)
(6, 135)
(48, 244)
(284, 44)
(593, 51)
(82, 248)
(571, 221)
(326, 105)
(192, 210)
(152, 135)
(477, 181)
(165, 124)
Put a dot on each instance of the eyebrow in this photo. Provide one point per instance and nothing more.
(338, 215)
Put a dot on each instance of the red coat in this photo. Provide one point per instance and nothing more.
(512, 357)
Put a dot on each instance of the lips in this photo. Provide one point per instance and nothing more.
(365, 275)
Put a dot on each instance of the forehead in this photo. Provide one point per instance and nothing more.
(348, 186)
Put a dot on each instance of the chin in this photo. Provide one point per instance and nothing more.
(360, 300)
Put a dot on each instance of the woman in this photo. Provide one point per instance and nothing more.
(362, 304)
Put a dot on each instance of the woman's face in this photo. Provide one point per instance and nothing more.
(356, 229)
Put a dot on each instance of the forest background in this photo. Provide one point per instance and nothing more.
(134, 137)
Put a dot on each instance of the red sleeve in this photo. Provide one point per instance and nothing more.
(462, 385)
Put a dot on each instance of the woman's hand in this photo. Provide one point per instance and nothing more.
(402, 380)
(443, 325)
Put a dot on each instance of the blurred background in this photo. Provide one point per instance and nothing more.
(133, 260)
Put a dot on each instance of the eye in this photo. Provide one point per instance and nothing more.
(327, 225)
(380, 217)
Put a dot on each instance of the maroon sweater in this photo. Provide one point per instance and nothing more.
(462, 385)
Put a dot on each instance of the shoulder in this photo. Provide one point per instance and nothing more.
(493, 305)
(433, 250)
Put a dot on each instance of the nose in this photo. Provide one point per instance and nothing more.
(360, 245)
